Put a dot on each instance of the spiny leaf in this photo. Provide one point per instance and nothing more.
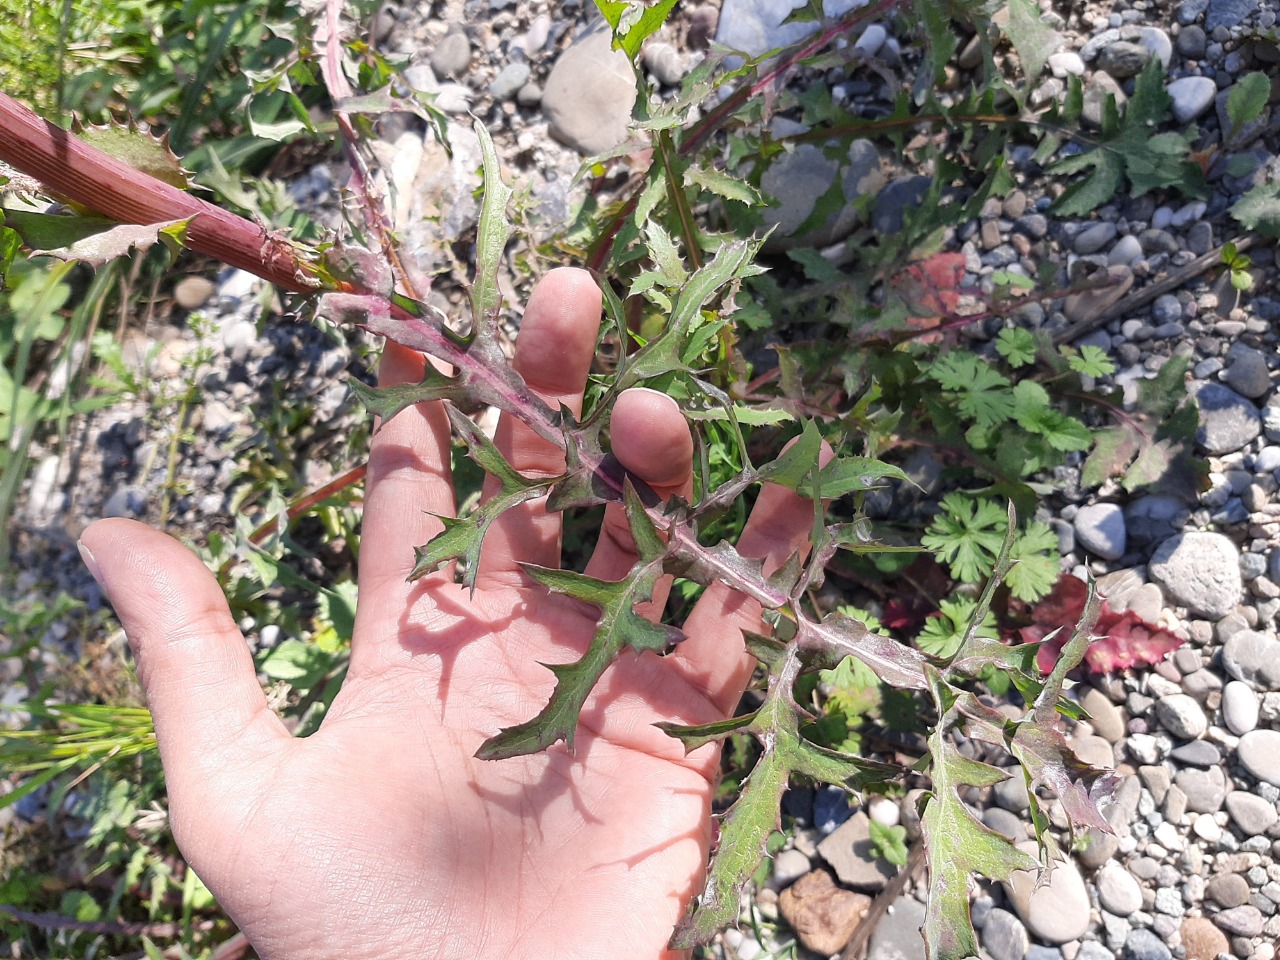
(723, 185)
(491, 238)
(630, 38)
(138, 149)
(838, 636)
(619, 627)
(1032, 37)
(386, 402)
(694, 736)
(90, 240)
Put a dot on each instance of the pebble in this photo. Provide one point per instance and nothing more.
(851, 855)
(1100, 529)
(1143, 944)
(1202, 940)
(664, 62)
(1192, 97)
(897, 935)
(1066, 64)
(1227, 890)
(823, 915)
(1118, 891)
(1200, 571)
(1157, 41)
(1246, 371)
(1123, 59)
(1243, 921)
(509, 81)
(1192, 42)
(1055, 911)
(1182, 716)
(788, 866)
(1253, 815)
(1239, 707)
(452, 55)
(1253, 658)
(1105, 716)
(1127, 249)
(1094, 237)
(1259, 753)
(1004, 936)
(1205, 790)
(589, 93)
(756, 26)
(192, 293)
(1228, 13)
(1197, 753)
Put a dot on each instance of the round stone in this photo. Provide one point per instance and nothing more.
(1242, 921)
(1055, 911)
(1253, 658)
(1253, 815)
(1227, 890)
(1118, 891)
(1182, 716)
(1100, 529)
(1191, 96)
(1259, 753)
(1203, 941)
(1239, 707)
(1247, 372)
(1144, 944)
(1200, 571)
(1004, 936)
(1228, 420)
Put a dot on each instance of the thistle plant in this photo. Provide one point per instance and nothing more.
(134, 191)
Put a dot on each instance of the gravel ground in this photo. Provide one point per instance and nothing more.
(1194, 867)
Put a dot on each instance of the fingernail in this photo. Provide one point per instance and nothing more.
(90, 562)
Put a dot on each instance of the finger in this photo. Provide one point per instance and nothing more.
(652, 440)
(553, 353)
(194, 665)
(713, 657)
(408, 484)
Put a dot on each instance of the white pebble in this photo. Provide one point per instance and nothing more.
(1206, 828)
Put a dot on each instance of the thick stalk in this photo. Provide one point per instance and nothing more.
(76, 171)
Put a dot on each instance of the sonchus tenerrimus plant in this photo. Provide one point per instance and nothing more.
(135, 192)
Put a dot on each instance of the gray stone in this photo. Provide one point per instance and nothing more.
(1247, 372)
(1123, 59)
(589, 93)
(1099, 848)
(129, 502)
(1105, 716)
(897, 935)
(1228, 13)
(1192, 42)
(452, 55)
(1189, 11)
(1158, 42)
(1055, 911)
(1100, 529)
(1005, 822)
(1228, 890)
(1182, 716)
(851, 854)
(1200, 571)
(1093, 950)
(1251, 813)
(1228, 420)
(872, 39)
(1094, 237)
(1166, 309)
(530, 95)
(895, 199)
(1004, 936)
(1205, 790)
(1242, 921)
(1192, 96)
(788, 866)
(1252, 657)
(756, 27)
(1099, 87)
(1011, 794)
(1259, 753)
(509, 81)
(796, 180)
(1127, 249)
(1143, 944)
(664, 62)
(1118, 891)
(1239, 707)
(1197, 753)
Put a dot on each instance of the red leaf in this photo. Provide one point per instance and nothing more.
(930, 288)
(1121, 640)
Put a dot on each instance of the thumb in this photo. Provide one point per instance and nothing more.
(193, 662)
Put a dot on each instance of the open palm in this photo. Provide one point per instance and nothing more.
(381, 835)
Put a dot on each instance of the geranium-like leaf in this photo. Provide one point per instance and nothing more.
(90, 240)
(491, 238)
(698, 735)
(619, 627)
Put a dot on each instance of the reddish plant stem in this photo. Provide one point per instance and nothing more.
(76, 171)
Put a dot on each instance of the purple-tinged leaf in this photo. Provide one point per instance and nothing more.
(838, 636)
(386, 402)
(90, 240)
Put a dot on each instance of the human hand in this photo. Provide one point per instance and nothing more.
(381, 835)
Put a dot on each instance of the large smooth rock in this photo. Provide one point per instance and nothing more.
(1259, 753)
(589, 94)
(852, 856)
(897, 935)
(1056, 911)
(756, 27)
(1253, 658)
(1228, 421)
(1100, 529)
(798, 179)
(1200, 571)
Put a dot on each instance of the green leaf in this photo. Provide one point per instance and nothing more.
(301, 664)
(694, 736)
(90, 240)
(140, 150)
(981, 391)
(1036, 566)
(629, 38)
(890, 842)
(1248, 98)
(967, 535)
(1017, 346)
(723, 185)
(1259, 209)
(1032, 37)
(1113, 450)
(1091, 361)
(843, 475)
(491, 238)
(386, 402)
